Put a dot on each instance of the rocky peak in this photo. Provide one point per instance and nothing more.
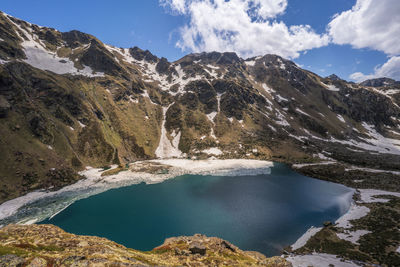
(333, 77)
(140, 54)
(76, 38)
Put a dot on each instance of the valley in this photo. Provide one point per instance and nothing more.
(73, 108)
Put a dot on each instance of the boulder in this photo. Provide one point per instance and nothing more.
(197, 248)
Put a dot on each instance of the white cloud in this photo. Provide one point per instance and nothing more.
(373, 24)
(369, 24)
(176, 5)
(248, 27)
(390, 69)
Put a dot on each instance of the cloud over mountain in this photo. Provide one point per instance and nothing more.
(248, 27)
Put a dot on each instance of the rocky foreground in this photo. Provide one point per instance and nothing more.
(48, 245)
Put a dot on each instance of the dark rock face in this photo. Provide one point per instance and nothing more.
(50, 37)
(364, 105)
(205, 94)
(137, 87)
(76, 38)
(163, 66)
(235, 98)
(140, 54)
(174, 118)
(41, 128)
(101, 60)
(197, 248)
(190, 100)
(228, 58)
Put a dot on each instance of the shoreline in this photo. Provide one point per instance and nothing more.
(94, 183)
(357, 211)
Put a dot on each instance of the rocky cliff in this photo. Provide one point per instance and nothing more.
(47, 245)
(67, 101)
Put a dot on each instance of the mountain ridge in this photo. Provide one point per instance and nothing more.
(68, 101)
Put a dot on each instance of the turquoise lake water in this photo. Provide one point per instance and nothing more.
(262, 213)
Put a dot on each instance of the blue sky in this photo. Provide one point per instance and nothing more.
(155, 26)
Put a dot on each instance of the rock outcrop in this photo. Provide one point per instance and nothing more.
(47, 245)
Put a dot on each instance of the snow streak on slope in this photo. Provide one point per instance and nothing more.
(375, 142)
(166, 149)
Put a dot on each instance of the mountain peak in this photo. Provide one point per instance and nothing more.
(334, 77)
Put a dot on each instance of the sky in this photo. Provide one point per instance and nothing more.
(354, 39)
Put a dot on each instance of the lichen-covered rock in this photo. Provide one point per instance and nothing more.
(48, 245)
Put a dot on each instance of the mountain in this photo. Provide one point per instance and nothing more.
(379, 82)
(334, 77)
(68, 101)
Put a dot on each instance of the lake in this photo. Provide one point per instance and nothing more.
(263, 213)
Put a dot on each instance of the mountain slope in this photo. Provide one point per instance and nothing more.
(68, 101)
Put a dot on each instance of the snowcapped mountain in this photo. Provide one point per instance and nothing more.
(67, 101)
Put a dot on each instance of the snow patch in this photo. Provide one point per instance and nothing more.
(353, 236)
(217, 167)
(355, 212)
(302, 112)
(281, 98)
(340, 118)
(330, 87)
(211, 116)
(81, 124)
(305, 237)
(297, 166)
(372, 170)
(166, 149)
(39, 57)
(319, 260)
(367, 195)
(213, 151)
(268, 89)
(375, 142)
(219, 95)
(250, 63)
